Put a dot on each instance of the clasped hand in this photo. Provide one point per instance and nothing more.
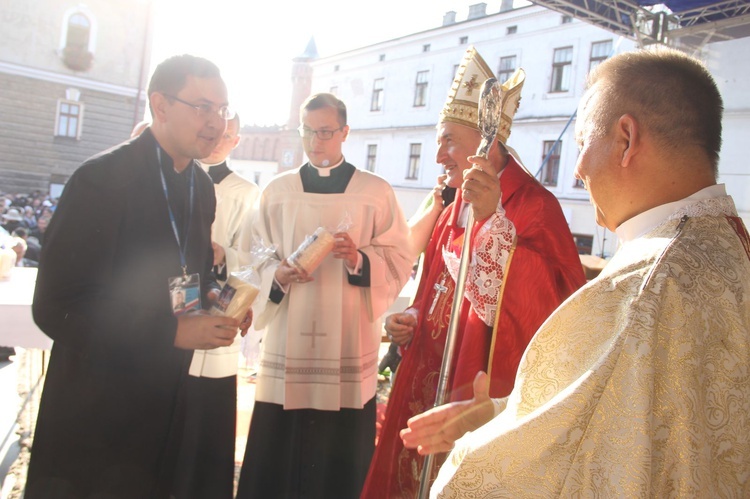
(201, 331)
(400, 327)
(345, 249)
(481, 187)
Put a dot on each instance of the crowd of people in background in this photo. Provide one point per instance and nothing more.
(24, 221)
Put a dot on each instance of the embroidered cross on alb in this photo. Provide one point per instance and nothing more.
(312, 334)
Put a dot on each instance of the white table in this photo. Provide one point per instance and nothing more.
(17, 327)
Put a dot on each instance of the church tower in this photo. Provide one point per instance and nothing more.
(302, 72)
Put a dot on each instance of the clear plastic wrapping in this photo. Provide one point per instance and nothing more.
(308, 256)
(243, 285)
(238, 293)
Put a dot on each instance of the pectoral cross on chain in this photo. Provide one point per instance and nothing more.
(313, 335)
(439, 289)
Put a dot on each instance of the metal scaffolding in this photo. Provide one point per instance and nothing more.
(685, 24)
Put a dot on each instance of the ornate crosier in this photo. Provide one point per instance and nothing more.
(488, 122)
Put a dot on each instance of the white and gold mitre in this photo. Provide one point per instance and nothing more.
(462, 105)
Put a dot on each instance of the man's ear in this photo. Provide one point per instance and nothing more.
(158, 106)
(345, 131)
(628, 138)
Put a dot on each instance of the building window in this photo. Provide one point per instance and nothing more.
(567, 19)
(426, 47)
(69, 118)
(376, 103)
(599, 52)
(455, 71)
(372, 154)
(79, 31)
(415, 153)
(562, 65)
(551, 162)
(382, 57)
(463, 40)
(512, 30)
(77, 39)
(336, 67)
(420, 90)
(334, 90)
(507, 66)
(584, 243)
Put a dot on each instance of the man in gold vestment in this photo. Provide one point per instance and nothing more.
(637, 386)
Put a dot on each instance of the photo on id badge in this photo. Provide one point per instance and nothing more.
(185, 292)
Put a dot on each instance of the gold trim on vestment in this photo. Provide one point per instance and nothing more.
(490, 358)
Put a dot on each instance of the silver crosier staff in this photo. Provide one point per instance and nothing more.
(488, 121)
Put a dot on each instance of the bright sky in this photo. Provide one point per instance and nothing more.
(254, 42)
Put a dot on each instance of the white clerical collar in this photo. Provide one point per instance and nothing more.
(206, 166)
(644, 222)
(326, 172)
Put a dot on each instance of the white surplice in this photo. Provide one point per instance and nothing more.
(320, 350)
(235, 199)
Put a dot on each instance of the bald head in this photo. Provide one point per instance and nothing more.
(649, 131)
(671, 95)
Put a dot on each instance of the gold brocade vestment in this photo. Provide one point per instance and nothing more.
(638, 385)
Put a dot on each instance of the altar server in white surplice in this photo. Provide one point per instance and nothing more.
(205, 467)
(637, 385)
(313, 422)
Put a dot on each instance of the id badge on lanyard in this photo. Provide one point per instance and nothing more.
(184, 290)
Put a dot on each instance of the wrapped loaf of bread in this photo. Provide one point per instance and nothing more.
(236, 297)
(312, 251)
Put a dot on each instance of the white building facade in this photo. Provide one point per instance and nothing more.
(394, 91)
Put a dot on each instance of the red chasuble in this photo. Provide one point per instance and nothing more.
(544, 270)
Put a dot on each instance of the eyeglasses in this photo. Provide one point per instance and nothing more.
(307, 133)
(203, 110)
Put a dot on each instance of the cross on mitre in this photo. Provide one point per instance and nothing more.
(471, 84)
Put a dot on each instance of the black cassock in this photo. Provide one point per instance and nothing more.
(111, 414)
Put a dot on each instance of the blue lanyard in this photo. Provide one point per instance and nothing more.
(181, 245)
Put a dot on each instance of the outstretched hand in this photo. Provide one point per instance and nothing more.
(438, 429)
